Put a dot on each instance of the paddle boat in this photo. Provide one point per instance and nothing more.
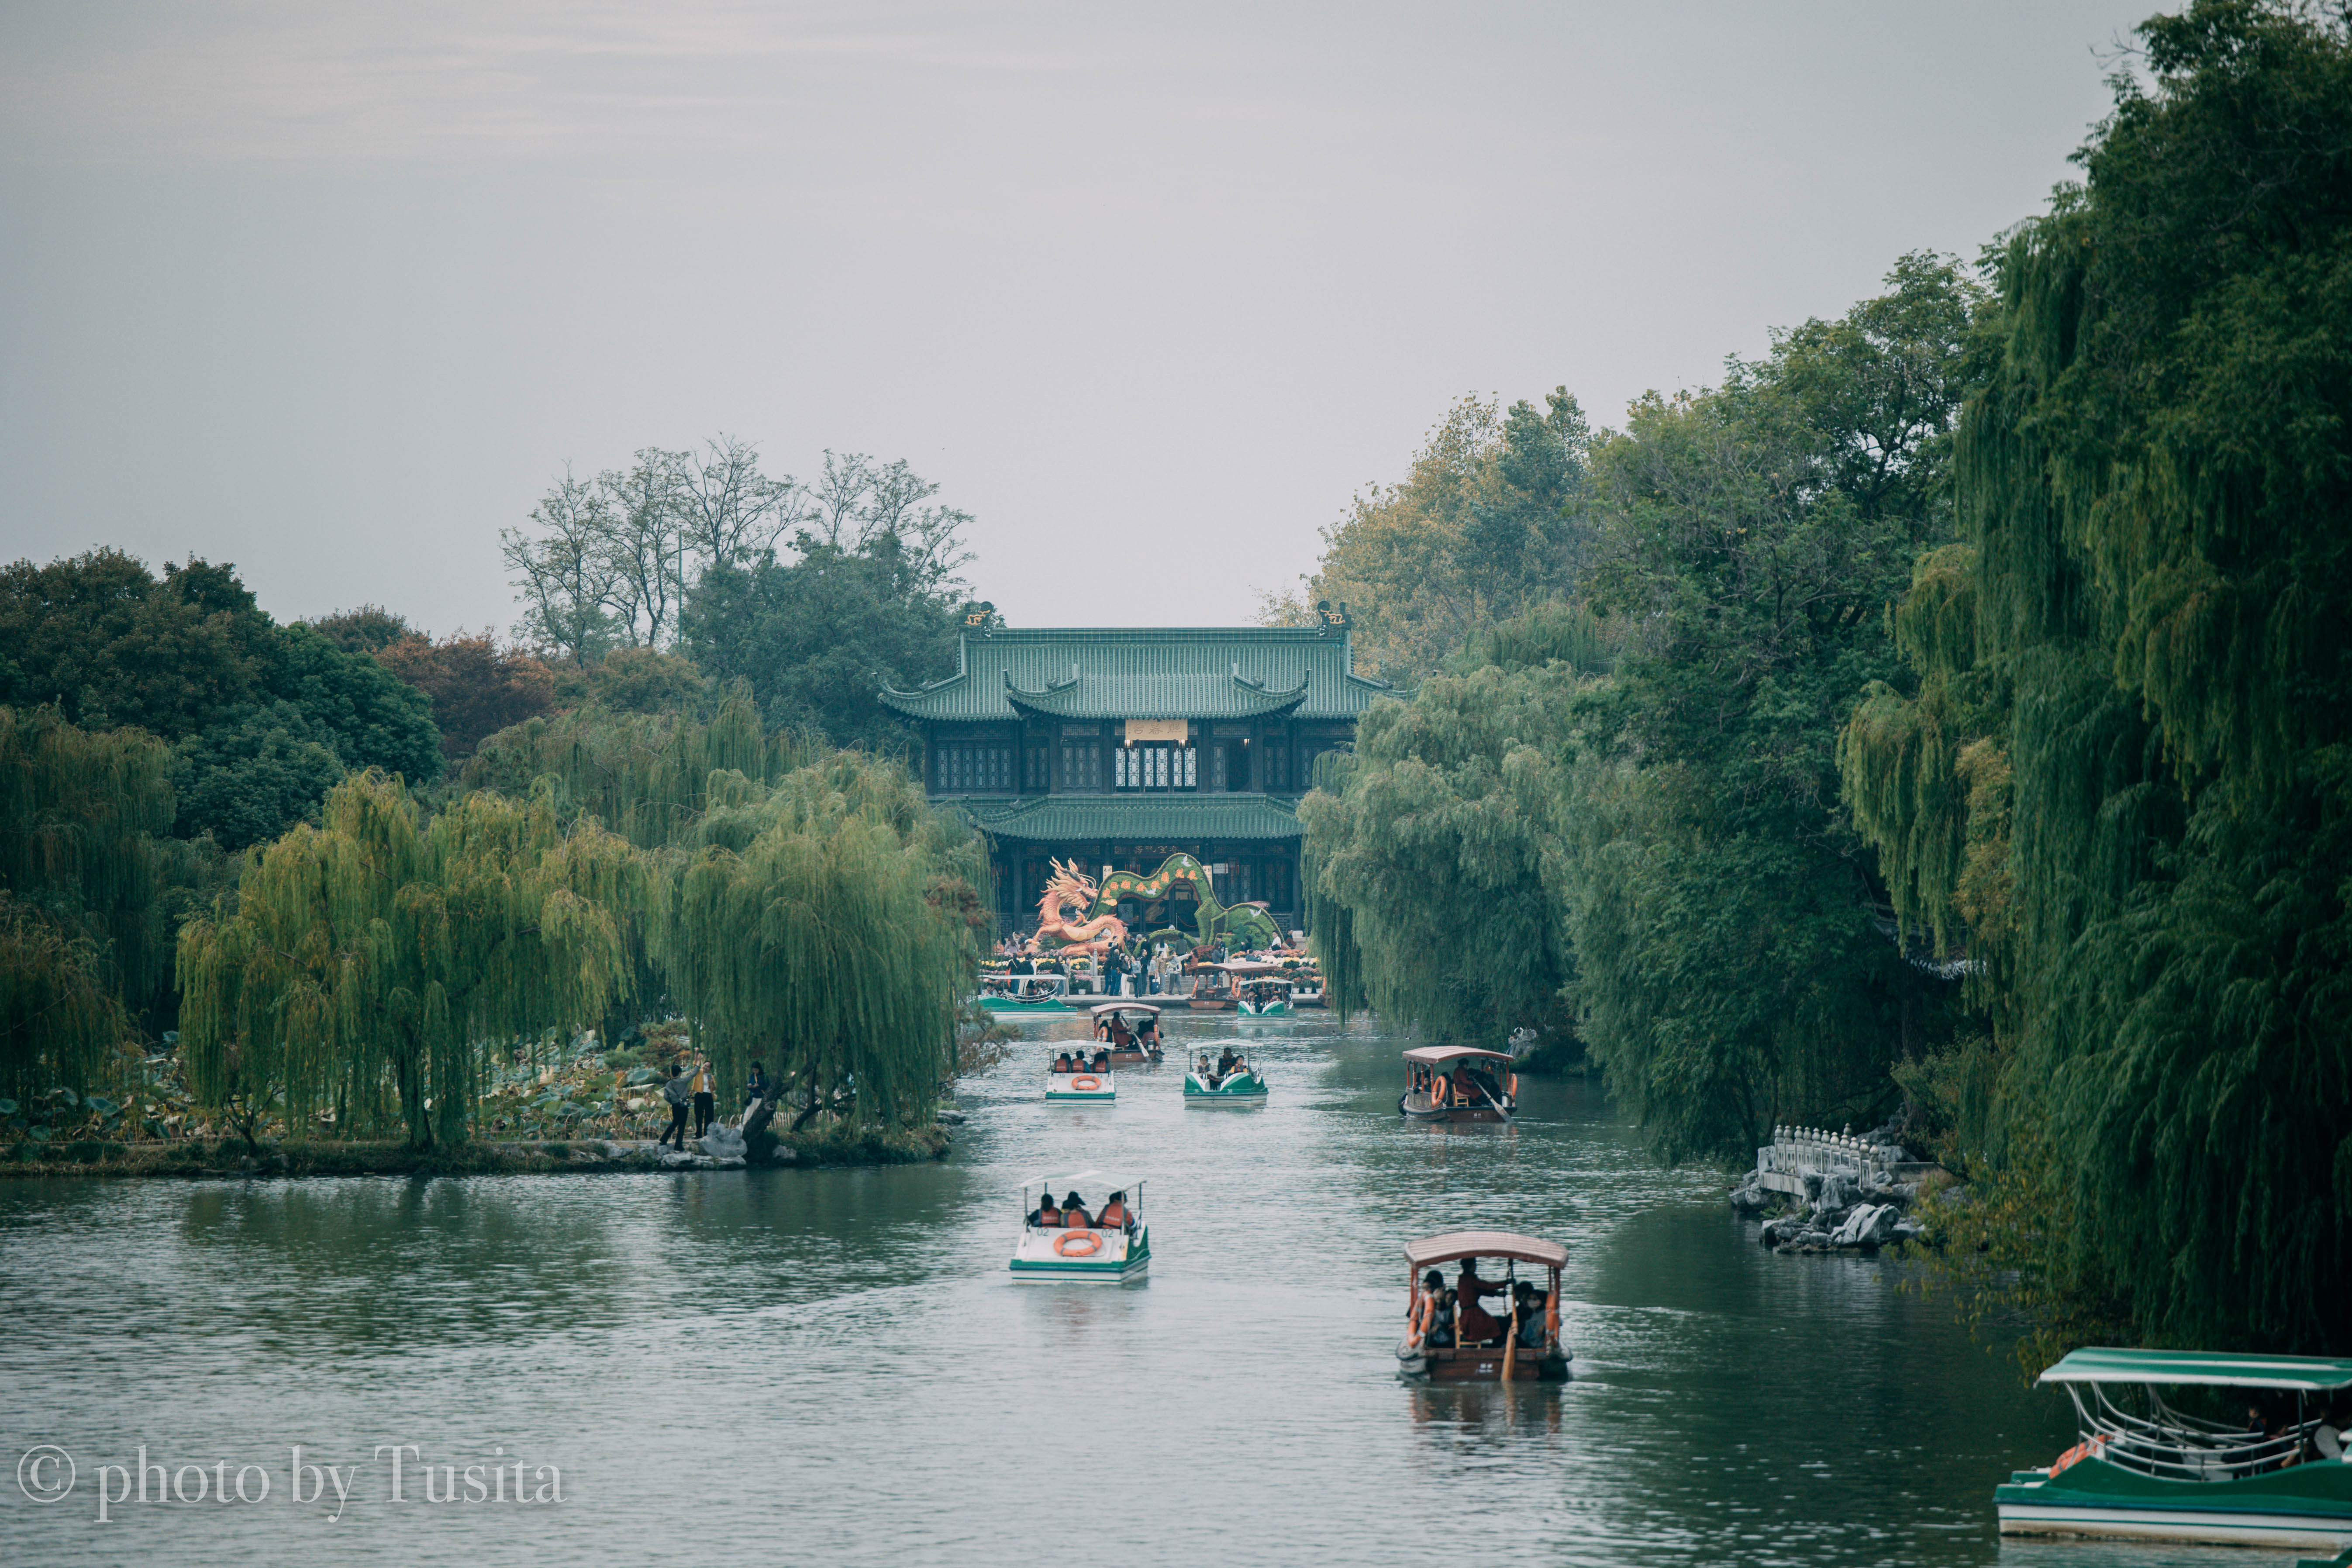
(1206, 1084)
(1263, 999)
(1525, 1343)
(1137, 1023)
(1458, 1083)
(2144, 1469)
(1025, 993)
(1081, 1082)
(1094, 1252)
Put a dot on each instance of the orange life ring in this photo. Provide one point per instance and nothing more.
(1066, 1246)
(1085, 1083)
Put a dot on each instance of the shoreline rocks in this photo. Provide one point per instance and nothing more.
(1819, 1192)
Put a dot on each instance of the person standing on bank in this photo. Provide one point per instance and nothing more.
(706, 1101)
(756, 1090)
(679, 1092)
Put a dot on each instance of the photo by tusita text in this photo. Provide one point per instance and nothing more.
(395, 1472)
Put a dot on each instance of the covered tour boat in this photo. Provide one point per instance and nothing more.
(1459, 1083)
(1074, 1076)
(2265, 1465)
(1490, 1329)
(1025, 993)
(1132, 1028)
(1227, 1080)
(1085, 1226)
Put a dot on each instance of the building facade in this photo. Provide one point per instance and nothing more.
(1118, 748)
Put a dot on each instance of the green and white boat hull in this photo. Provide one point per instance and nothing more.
(1050, 1255)
(2302, 1505)
(1270, 1010)
(1240, 1089)
(1065, 1086)
(995, 1004)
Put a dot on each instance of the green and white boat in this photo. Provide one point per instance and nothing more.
(1094, 1253)
(1205, 1084)
(1263, 999)
(1080, 1084)
(1025, 993)
(2147, 1471)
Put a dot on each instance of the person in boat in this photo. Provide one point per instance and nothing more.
(1023, 965)
(1102, 1028)
(1102, 1059)
(1073, 1213)
(1477, 1325)
(1147, 1034)
(1114, 1214)
(1438, 1323)
(1120, 1040)
(1225, 1062)
(1062, 1062)
(1046, 1213)
(1529, 1304)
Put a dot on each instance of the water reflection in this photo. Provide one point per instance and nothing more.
(836, 1364)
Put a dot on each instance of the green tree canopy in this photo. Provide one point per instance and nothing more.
(2119, 778)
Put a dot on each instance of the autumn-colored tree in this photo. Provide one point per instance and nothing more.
(477, 688)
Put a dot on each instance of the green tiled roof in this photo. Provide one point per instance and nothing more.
(1148, 818)
(1231, 672)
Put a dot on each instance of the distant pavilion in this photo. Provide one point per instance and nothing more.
(1117, 748)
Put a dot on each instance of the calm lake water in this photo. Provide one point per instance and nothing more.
(835, 1367)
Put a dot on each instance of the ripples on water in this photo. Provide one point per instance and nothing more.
(833, 1366)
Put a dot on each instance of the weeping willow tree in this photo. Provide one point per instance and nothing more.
(646, 775)
(1423, 861)
(825, 925)
(372, 964)
(2123, 776)
(80, 869)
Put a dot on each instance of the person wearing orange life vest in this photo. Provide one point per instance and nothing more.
(1073, 1213)
(1114, 1214)
(1048, 1215)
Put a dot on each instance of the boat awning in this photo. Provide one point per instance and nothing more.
(1091, 1183)
(1246, 966)
(1438, 1055)
(1124, 1008)
(2215, 1369)
(1432, 1250)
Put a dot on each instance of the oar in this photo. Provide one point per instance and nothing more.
(1511, 1346)
(1490, 1099)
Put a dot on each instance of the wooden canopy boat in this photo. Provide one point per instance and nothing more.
(1137, 1015)
(1459, 1083)
(1097, 1254)
(1528, 1344)
(2147, 1471)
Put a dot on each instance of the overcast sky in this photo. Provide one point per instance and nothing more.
(334, 291)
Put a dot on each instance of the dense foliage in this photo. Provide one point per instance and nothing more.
(2121, 777)
(1483, 526)
(1623, 815)
(262, 718)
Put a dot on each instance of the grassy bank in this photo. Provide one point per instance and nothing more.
(192, 1157)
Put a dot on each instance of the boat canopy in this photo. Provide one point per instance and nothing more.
(2302, 1373)
(1092, 1184)
(1247, 966)
(1430, 1250)
(1124, 1008)
(1438, 1055)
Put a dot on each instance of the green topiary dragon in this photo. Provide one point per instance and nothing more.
(1244, 925)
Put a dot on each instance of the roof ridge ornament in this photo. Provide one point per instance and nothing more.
(1333, 620)
(980, 618)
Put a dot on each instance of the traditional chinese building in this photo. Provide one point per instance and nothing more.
(1118, 748)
